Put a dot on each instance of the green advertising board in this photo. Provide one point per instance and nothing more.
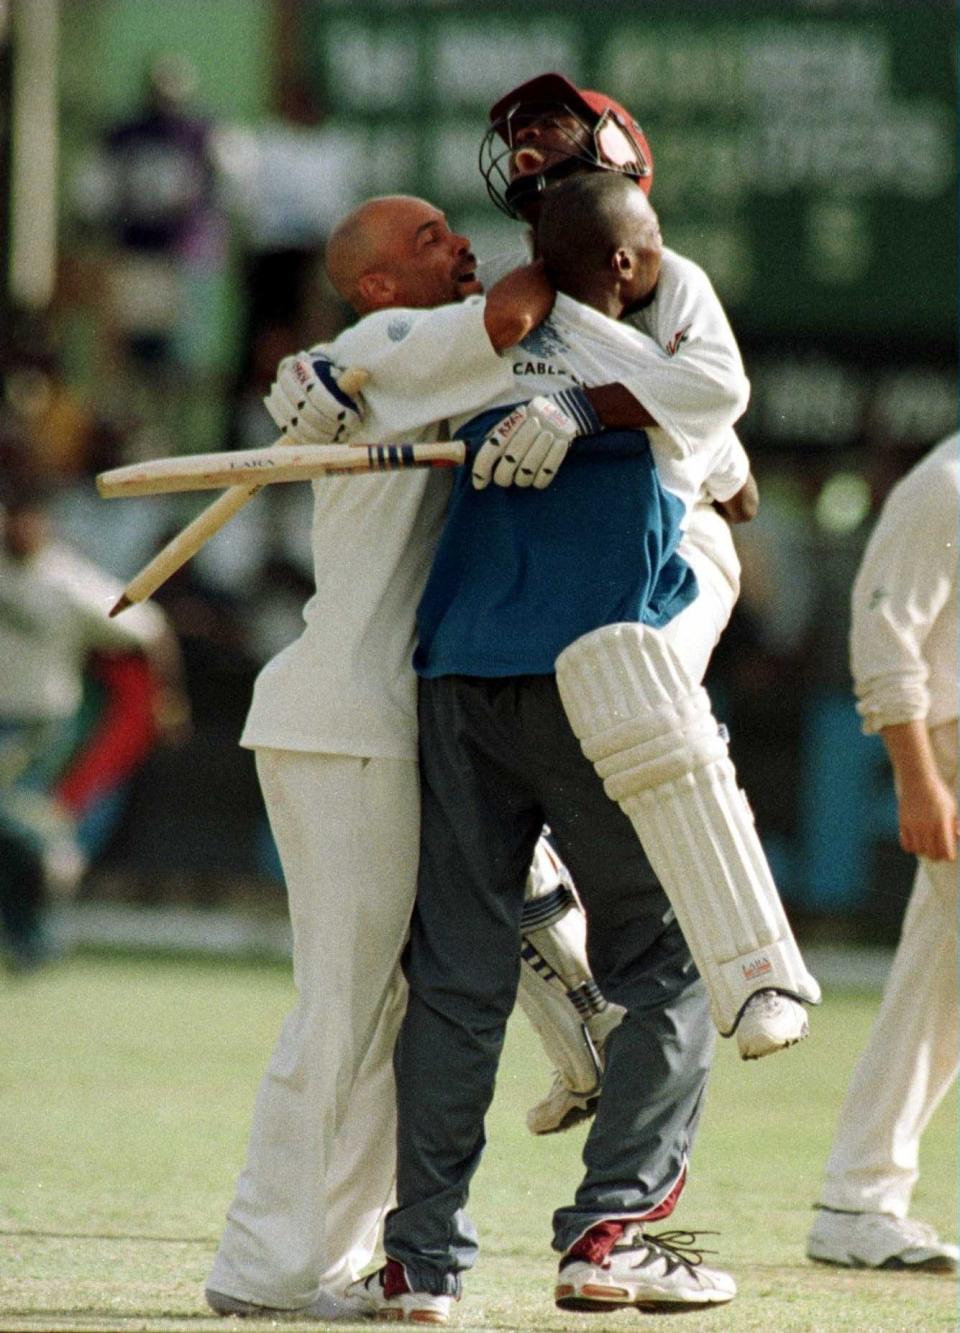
(804, 149)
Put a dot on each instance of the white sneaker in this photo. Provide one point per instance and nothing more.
(655, 1274)
(879, 1240)
(561, 1108)
(326, 1309)
(386, 1295)
(770, 1022)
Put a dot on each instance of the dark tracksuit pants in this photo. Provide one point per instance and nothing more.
(498, 760)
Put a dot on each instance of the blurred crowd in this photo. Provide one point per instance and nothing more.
(167, 212)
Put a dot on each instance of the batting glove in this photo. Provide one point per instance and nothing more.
(308, 405)
(527, 447)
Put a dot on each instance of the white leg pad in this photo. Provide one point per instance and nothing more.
(557, 991)
(650, 733)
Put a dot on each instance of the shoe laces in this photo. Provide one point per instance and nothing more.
(678, 1249)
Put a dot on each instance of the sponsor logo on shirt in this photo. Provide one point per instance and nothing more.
(536, 368)
(679, 338)
(398, 328)
(545, 340)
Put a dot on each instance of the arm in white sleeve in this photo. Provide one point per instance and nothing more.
(424, 365)
(144, 629)
(730, 468)
(701, 388)
(907, 574)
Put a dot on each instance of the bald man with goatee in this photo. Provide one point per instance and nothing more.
(333, 729)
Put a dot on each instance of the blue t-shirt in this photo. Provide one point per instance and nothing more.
(519, 574)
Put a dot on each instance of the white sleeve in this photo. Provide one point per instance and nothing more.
(907, 574)
(607, 349)
(424, 365)
(730, 467)
(702, 389)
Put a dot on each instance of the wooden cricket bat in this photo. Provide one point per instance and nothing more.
(276, 463)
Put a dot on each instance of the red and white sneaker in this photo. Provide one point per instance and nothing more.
(615, 1266)
(386, 1295)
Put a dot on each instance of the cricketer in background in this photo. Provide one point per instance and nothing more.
(903, 653)
(52, 773)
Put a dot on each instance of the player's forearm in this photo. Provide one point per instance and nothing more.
(621, 408)
(617, 408)
(911, 754)
(171, 705)
(927, 807)
(516, 305)
(742, 507)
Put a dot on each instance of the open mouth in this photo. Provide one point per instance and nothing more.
(527, 162)
(467, 277)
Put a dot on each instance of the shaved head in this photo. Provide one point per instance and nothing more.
(356, 242)
(398, 250)
(587, 221)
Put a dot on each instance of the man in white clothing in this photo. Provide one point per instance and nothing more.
(545, 131)
(903, 647)
(333, 725)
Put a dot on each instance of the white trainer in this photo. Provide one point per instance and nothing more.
(654, 1274)
(326, 1309)
(770, 1022)
(561, 1109)
(386, 1295)
(879, 1240)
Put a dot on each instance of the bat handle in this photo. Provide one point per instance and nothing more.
(353, 380)
(197, 533)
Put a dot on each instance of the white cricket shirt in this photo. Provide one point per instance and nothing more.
(903, 637)
(577, 345)
(346, 685)
(696, 390)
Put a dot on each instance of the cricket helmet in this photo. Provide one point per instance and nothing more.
(607, 138)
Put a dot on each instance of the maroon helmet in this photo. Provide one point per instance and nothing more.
(607, 138)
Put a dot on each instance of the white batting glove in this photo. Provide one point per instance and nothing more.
(308, 405)
(527, 447)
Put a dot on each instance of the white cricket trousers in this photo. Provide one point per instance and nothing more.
(910, 1059)
(320, 1166)
(695, 632)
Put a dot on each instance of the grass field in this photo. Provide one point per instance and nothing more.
(126, 1087)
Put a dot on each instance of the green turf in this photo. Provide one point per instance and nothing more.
(126, 1088)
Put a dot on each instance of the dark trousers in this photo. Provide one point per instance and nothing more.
(498, 760)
